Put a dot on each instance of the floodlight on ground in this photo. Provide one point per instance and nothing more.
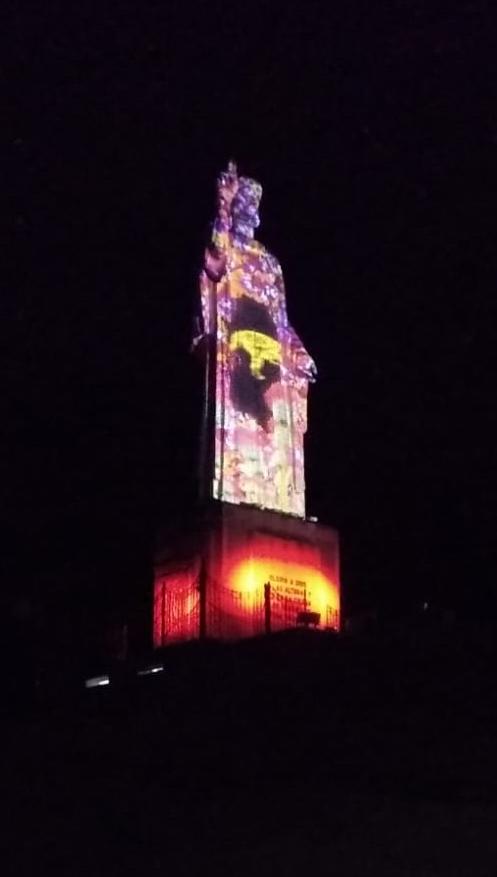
(148, 671)
(97, 681)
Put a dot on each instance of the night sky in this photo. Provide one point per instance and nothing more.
(373, 129)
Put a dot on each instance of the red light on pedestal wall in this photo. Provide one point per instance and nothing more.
(297, 577)
(239, 562)
(176, 605)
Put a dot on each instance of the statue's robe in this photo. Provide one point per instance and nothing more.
(261, 381)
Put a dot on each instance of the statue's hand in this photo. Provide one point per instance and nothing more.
(310, 372)
(305, 365)
(227, 187)
(214, 263)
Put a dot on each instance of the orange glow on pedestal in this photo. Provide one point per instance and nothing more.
(319, 594)
(287, 566)
(245, 549)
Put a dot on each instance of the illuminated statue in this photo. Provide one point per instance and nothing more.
(262, 369)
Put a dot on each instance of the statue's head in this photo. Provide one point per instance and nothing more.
(245, 205)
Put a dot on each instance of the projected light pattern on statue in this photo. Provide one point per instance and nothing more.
(262, 367)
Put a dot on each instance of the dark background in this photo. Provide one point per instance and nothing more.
(373, 130)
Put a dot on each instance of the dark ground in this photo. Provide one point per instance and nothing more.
(356, 755)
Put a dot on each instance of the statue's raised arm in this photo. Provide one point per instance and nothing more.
(215, 253)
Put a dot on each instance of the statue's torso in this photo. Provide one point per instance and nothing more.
(254, 272)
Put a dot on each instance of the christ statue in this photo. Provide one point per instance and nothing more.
(262, 369)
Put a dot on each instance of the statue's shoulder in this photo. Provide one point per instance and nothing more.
(257, 247)
(263, 253)
(267, 260)
(272, 263)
